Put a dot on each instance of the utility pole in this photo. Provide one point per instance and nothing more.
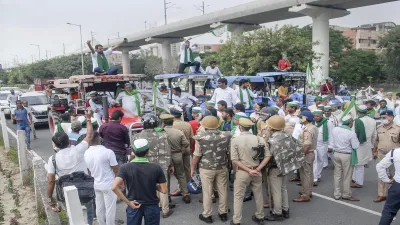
(63, 48)
(92, 35)
(165, 10)
(201, 8)
(145, 25)
(47, 57)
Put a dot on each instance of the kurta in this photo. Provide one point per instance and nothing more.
(129, 102)
(364, 153)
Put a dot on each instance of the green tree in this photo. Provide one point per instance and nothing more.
(391, 44)
(355, 66)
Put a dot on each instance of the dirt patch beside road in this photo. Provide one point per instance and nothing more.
(17, 202)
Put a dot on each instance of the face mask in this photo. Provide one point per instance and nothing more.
(385, 122)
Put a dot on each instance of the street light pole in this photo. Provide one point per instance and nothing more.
(80, 32)
(38, 49)
(165, 10)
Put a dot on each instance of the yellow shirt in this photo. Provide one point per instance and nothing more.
(283, 91)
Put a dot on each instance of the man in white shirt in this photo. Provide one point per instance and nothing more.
(212, 69)
(392, 204)
(344, 141)
(390, 102)
(99, 60)
(131, 100)
(186, 56)
(96, 104)
(186, 100)
(244, 95)
(197, 60)
(223, 92)
(69, 159)
(12, 98)
(103, 167)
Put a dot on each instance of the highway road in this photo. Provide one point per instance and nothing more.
(322, 210)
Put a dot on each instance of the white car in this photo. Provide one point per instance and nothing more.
(4, 106)
(39, 104)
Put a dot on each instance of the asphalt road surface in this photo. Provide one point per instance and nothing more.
(322, 210)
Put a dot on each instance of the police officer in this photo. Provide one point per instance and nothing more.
(392, 204)
(211, 153)
(159, 153)
(178, 142)
(247, 150)
(308, 137)
(280, 198)
(388, 138)
(188, 132)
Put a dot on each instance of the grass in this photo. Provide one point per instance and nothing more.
(42, 218)
(63, 217)
(12, 155)
(1, 140)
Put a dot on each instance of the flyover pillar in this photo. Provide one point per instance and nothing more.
(165, 53)
(126, 63)
(320, 35)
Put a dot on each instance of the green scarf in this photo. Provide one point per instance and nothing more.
(102, 62)
(248, 96)
(324, 124)
(140, 159)
(233, 127)
(59, 128)
(191, 56)
(371, 113)
(137, 102)
(360, 130)
(354, 156)
(159, 129)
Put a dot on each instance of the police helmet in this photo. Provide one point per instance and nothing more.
(266, 113)
(194, 185)
(149, 121)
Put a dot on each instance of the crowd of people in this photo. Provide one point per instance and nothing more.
(221, 149)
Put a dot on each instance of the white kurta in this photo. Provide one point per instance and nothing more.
(129, 102)
(245, 101)
(364, 153)
(321, 158)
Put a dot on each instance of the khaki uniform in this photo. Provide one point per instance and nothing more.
(242, 150)
(187, 130)
(265, 133)
(309, 136)
(212, 147)
(159, 153)
(178, 143)
(388, 138)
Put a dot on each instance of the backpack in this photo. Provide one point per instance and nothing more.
(287, 152)
(83, 182)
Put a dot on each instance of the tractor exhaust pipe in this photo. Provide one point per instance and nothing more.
(105, 108)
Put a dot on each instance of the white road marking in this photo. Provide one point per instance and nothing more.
(347, 204)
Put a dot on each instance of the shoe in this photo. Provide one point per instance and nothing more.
(169, 213)
(216, 195)
(286, 214)
(206, 219)
(366, 166)
(301, 199)
(232, 223)
(355, 185)
(247, 199)
(310, 195)
(214, 200)
(315, 184)
(353, 199)
(176, 193)
(258, 221)
(294, 179)
(274, 217)
(223, 217)
(380, 199)
(186, 199)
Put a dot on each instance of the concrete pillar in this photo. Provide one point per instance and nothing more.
(4, 130)
(24, 164)
(165, 53)
(73, 205)
(126, 63)
(320, 35)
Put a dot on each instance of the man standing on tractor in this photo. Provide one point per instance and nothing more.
(99, 60)
(130, 99)
(187, 57)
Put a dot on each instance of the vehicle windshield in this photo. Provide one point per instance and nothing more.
(36, 100)
(3, 96)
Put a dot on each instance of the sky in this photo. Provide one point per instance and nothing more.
(44, 22)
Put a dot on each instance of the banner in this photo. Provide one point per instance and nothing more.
(350, 109)
(159, 103)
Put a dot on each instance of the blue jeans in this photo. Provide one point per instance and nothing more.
(90, 211)
(111, 71)
(188, 110)
(151, 214)
(392, 204)
(27, 130)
